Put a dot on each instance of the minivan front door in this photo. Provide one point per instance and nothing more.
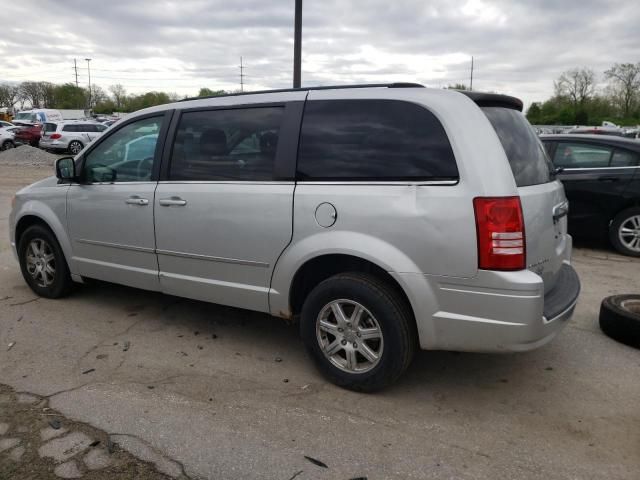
(111, 208)
(222, 216)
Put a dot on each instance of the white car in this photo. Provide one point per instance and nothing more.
(7, 139)
(4, 124)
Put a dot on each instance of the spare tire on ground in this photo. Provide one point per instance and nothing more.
(620, 318)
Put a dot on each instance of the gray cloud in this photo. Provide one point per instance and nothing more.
(519, 46)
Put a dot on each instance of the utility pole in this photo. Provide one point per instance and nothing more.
(471, 82)
(297, 45)
(241, 75)
(89, 71)
(75, 67)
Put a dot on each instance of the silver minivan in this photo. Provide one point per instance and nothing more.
(384, 218)
(70, 135)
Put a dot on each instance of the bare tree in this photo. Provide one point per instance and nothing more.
(119, 96)
(98, 95)
(47, 93)
(32, 92)
(625, 85)
(9, 95)
(578, 85)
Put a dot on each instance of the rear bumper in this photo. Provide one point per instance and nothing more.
(494, 311)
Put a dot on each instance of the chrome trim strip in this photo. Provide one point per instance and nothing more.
(116, 245)
(597, 168)
(380, 182)
(226, 182)
(211, 258)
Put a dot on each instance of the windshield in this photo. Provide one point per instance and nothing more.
(31, 117)
(527, 157)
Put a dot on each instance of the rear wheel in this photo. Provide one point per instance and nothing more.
(358, 331)
(75, 147)
(42, 263)
(624, 232)
(7, 144)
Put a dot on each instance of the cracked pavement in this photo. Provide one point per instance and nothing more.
(199, 386)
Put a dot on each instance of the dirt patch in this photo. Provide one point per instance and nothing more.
(29, 429)
(27, 155)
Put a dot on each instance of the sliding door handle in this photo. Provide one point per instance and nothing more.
(172, 202)
(136, 200)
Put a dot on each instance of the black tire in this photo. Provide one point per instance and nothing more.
(35, 143)
(61, 282)
(75, 146)
(393, 316)
(614, 229)
(7, 144)
(620, 318)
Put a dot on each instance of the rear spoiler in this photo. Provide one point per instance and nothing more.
(494, 100)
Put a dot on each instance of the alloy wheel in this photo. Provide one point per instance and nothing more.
(40, 261)
(629, 233)
(349, 336)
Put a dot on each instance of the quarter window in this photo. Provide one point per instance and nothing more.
(226, 145)
(582, 155)
(624, 158)
(373, 140)
(127, 155)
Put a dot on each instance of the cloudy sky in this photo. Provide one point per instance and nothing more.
(519, 46)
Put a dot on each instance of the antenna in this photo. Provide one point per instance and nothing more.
(471, 82)
(242, 75)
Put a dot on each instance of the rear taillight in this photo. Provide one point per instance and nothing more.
(500, 230)
(54, 136)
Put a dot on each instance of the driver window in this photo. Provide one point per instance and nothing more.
(125, 156)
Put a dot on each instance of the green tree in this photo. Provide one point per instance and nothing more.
(68, 96)
(534, 114)
(207, 92)
(119, 95)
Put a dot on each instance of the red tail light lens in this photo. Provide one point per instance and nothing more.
(500, 230)
(55, 136)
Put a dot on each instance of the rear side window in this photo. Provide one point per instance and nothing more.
(582, 155)
(219, 145)
(50, 127)
(70, 128)
(528, 159)
(373, 140)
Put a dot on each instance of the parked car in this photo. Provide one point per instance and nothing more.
(71, 136)
(29, 134)
(601, 176)
(4, 124)
(7, 139)
(384, 218)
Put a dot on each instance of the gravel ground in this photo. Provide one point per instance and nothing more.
(25, 155)
(37, 442)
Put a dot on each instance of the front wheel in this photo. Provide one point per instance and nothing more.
(7, 144)
(42, 263)
(75, 147)
(358, 331)
(624, 232)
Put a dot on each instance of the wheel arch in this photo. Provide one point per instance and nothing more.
(50, 222)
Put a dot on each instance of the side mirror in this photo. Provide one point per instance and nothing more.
(66, 169)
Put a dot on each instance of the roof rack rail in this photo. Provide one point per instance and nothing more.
(325, 87)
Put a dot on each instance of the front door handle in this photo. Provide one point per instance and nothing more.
(136, 200)
(172, 202)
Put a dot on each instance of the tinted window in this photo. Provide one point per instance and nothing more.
(581, 155)
(100, 128)
(624, 158)
(126, 155)
(528, 159)
(237, 144)
(50, 127)
(373, 140)
(70, 128)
